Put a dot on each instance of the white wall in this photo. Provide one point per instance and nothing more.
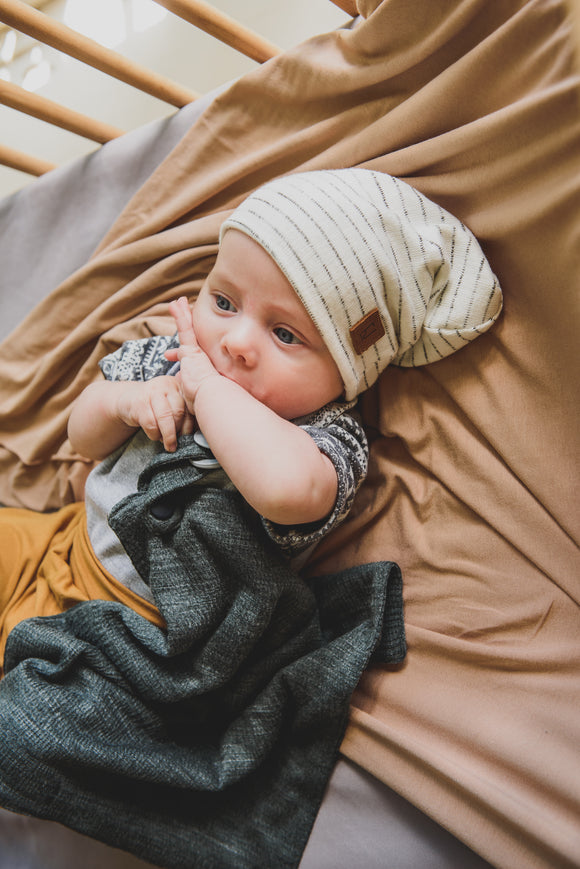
(172, 48)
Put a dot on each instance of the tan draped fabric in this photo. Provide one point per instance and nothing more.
(473, 487)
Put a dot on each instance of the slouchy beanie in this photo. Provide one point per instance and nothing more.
(386, 275)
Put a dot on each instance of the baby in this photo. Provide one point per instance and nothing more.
(322, 280)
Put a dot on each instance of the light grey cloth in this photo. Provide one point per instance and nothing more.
(362, 823)
(108, 483)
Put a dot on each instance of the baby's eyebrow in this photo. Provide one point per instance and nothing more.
(216, 277)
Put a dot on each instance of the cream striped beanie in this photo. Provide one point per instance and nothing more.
(386, 275)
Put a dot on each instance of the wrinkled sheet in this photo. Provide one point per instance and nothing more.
(473, 480)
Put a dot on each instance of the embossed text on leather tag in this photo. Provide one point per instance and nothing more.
(367, 331)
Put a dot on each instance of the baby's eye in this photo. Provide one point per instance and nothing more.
(286, 336)
(223, 303)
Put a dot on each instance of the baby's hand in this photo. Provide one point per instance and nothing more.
(157, 407)
(196, 365)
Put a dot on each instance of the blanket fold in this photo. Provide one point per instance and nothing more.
(210, 743)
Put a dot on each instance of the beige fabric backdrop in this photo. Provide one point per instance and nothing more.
(473, 483)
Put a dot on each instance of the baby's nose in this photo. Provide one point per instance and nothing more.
(240, 342)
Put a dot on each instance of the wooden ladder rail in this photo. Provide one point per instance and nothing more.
(24, 162)
(222, 27)
(37, 25)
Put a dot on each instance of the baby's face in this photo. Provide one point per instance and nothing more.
(256, 332)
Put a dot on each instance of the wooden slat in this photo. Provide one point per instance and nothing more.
(24, 162)
(41, 27)
(36, 4)
(39, 107)
(348, 6)
(224, 28)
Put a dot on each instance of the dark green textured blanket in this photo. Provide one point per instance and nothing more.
(208, 744)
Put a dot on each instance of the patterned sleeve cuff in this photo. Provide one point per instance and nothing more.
(345, 445)
(140, 359)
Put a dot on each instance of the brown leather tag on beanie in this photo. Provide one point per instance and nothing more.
(367, 331)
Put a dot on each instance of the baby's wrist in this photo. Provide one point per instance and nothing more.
(207, 385)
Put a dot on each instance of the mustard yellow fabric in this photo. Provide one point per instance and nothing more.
(47, 565)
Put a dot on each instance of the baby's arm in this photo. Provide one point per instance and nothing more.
(107, 413)
(274, 464)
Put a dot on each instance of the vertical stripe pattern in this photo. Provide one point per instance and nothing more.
(351, 241)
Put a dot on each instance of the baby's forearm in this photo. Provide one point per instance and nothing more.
(275, 465)
(94, 429)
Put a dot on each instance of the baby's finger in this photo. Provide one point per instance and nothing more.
(165, 415)
(188, 425)
(181, 313)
